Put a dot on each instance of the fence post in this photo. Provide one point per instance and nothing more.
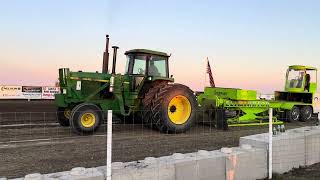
(109, 145)
(270, 143)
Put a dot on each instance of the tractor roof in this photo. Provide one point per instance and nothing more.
(300, 67)
(146, 51)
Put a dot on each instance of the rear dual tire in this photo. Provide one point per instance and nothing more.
(170, 108)
(300, 114)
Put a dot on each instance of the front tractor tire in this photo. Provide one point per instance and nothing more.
(172, 108)
(86, 118)
(63, 116)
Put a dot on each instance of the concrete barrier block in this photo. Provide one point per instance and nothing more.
(56, 176)
(35, 176)
(153, 168)
(78, 173)
(288, 148)
(288, 151)
(211, 165)
(127, 171)
(312, 138)
(246, 164)
(102, 169)
(148, 169)
(116, 167)
(257, 140)
(185, 166)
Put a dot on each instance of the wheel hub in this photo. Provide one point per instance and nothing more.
(179, 109)
(88, 120)
(295, 115)
(173, 109)
(67, 113)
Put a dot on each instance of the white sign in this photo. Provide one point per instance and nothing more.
(78, 87)
(267, 96)
(49, 92)
(11, 92)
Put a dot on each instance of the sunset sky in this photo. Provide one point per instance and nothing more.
(249, 43)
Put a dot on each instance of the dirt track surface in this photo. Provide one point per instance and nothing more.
(31, 141)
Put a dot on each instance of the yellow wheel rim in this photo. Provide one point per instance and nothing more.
(179, 109)
(67, 113)
(88, 120)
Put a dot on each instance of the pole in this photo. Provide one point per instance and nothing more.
(109, 145)
(270, 143)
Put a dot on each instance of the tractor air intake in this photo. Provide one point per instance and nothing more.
(115, 48)
(106, 57)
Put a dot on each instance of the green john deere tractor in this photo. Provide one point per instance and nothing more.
(146, 89)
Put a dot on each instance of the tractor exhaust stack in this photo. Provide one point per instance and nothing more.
(115, 48)
(106, 56)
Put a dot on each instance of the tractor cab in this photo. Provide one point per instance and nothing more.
(301, 79)
(144, 62)
(146, 65)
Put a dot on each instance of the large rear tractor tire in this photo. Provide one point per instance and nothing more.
(63, 116)
(306, 113)
(172, 109)
(147, 101)
(293, 114)
(86, 118)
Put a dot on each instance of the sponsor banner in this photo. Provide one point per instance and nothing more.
(48, 92)
(11, 92)
(31, 92)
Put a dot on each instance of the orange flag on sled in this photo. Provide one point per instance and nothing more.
(210, 74)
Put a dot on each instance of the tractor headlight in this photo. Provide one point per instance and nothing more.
(64, 91)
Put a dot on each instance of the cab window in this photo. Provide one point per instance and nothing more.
(295, 78)
(157, 66)
(136, 64)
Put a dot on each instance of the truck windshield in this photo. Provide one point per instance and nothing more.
(295, 78)
(298, 78)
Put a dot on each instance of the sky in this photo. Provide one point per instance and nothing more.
(249, 43)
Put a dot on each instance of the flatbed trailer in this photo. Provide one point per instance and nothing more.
(241, 107)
